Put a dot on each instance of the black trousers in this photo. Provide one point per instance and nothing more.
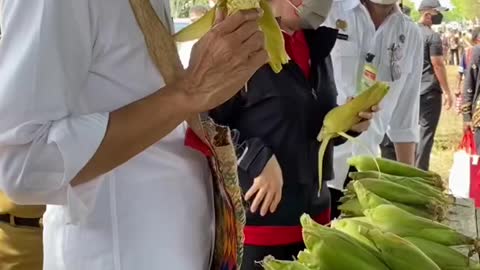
(254, 254)
(455, 57)
(388, 148)
(430, 110)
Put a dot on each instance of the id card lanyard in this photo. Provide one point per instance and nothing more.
(369, 74)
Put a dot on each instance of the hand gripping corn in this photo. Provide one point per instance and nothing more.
(342, 118)
(274, 41)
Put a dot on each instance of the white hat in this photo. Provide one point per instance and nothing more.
(384, 2)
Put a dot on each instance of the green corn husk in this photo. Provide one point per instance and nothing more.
(443, 256)
(351, 208)
(369, 200)
(411, 182)
(270, 263)
(331, 249)
(398, 253)
(390, 218)
(367, 163)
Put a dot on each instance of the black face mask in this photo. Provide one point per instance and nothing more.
(437, 19)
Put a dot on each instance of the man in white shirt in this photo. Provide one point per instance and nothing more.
(377, 41)
(89, 127)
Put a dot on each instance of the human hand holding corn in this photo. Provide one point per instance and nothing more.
(266, 190)
(233, 49)
(365, 118)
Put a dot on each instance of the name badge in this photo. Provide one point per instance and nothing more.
(342, 36)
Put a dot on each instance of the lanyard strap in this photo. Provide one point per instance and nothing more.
(163, 51)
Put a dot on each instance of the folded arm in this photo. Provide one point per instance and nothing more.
(45, 148)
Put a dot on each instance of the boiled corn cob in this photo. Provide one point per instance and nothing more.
(390, 218)
(274, 42)
(398, 253)
(343, 118)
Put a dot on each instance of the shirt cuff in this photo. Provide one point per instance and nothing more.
(78, 138)
(406, 135)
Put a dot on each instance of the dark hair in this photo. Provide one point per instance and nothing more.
(476, 34)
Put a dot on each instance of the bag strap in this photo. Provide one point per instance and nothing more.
(163, 52)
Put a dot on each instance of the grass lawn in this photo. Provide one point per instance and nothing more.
(448, 135)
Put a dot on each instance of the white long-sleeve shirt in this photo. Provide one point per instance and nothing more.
(399, 114)
(64, 65)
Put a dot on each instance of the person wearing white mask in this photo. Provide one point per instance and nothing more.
(377, 42)
(278, 118)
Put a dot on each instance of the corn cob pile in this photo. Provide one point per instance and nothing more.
(389, 221)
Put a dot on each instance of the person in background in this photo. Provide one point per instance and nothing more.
(446, 46)
(96, 133)
(377, 42)
(471, 90)
(454, 48)
(387, 147)
(434, 80)
(185, 48)
(464, 64)
(20, 236)
(278, 118)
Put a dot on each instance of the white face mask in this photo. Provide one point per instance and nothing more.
(384, 2)
(313, 12)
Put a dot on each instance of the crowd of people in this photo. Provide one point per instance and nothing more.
(205, 159)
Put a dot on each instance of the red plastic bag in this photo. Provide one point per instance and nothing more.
(468, 143)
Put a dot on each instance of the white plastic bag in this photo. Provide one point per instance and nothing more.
(459, 180)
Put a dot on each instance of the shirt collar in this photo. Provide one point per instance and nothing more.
(349, 4)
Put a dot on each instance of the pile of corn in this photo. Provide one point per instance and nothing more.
(390, 221)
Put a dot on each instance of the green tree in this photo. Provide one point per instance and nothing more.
(180, 8)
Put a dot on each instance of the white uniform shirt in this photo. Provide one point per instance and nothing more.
(64, 66)
(400, 109)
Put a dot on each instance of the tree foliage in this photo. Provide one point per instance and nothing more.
(462, 10)
(180, 8)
